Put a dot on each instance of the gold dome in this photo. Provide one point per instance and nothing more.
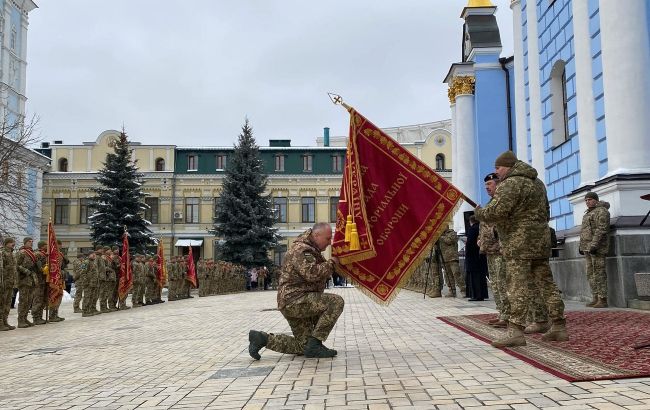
(480, 3)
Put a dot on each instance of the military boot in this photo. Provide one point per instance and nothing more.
(38, 320)
(602, 303)
(315, 349)
(593, 301)
(23, 323)
(435, 294)
(6, 323)
(500, 324)
(514, 338)
(557, 333)
(77, 310)
(54, 316)
(537, 327)
(256, 341)
(4, 327)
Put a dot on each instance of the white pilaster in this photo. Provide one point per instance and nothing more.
(626, 58)
(466, 169)
(536, 135)
(584, 94)
(520, 92)
(454, 145)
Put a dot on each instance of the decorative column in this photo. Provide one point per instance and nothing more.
(454, 141)
(626, 57)
(585, 95)
(466, 165)
(536, 134)
(520, 87)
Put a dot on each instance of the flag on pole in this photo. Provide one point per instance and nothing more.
(126, 274)
(162, 270)
(392, 209)
(191, 269)
(54, 257)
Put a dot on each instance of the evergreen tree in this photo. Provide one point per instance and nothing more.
(120, 201)
(244, 217)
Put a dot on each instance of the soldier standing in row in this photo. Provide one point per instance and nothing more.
(54, 310)
(594, 244)
(90, 275)
(78, 281)
(7, 281)
(27, 279)
(40, 301)
(520, 211)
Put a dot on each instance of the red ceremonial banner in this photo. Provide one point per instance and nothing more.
(191, 269)
(54, 258)
(126, 273)
(400, 207)
(161, 271)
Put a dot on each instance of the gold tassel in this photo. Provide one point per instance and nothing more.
(348, 228)
(354, 238)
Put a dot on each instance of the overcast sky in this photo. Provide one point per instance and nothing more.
(189, 72)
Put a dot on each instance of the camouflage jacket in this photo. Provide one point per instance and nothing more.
(26, 268)
(8, 270)
(89, 273)
(41, 262)
(77, 272)
(520, 212)
(449, 245)
(595, 229)
(488, 240)
(305, 270)
(100, 262)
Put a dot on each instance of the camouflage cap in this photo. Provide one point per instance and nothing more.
(41, 244)
(506, 159)
(99, 248)
(116, 248)
(107, 248)
(7, 241)
(591, 195)
(27, 239)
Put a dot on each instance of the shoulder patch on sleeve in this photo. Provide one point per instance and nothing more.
(308, 257)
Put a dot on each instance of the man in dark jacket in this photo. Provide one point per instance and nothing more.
(311, 313)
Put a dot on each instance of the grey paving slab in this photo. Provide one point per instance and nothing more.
(192, 354)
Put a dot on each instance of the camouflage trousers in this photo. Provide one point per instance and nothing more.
(89, 302)
(39, 300)
(78, 295)
(314, 314)
(596, 275)
(5, 301)
(453, 277)
(526, 277)
(497, 270)
(537, 311)
(25, 299)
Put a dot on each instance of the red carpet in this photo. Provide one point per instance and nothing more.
(600, 347)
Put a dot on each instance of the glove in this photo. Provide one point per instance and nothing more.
(581, 252)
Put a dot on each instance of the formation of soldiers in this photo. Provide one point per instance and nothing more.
(26, 270)
(96, 275)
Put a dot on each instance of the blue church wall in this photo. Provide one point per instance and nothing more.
(524, 23)
(555, 30)
(491, 112)
(599, 95)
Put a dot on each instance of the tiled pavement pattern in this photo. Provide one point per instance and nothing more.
(193, 354)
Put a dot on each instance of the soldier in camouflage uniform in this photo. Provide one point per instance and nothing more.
(520, 212)
(90, 276)
(311, 313)
(171, 278)
(39, 301)
(200, 276)
(54, 309)
(7, 281)
(150, 281)
(137, 269)
(27, 280)
(449, 246)
(78, 281)
(490, 246)
(594, 244)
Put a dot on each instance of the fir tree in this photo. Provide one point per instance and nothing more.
(120, 201)
(244, 217)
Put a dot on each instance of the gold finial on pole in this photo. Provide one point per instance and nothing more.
(337, 99)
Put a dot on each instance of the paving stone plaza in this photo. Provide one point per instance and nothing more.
(193, 354)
